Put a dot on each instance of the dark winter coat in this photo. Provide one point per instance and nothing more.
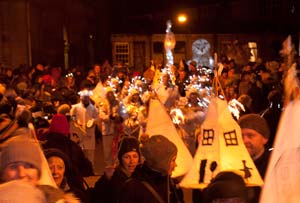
(108, 191)
(261, 164)
(136, 191)
(80, 164)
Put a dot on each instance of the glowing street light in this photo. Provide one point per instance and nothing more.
(182, 18)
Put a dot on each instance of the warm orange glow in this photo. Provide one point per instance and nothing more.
(182, 18)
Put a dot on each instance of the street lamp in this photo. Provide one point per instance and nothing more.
(182, 18)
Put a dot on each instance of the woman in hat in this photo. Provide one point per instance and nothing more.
(20, 159)
(57, 137)
(109, 186)
(61, 169)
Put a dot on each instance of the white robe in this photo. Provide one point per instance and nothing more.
(82, 116)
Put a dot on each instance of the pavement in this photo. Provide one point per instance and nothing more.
(99, 165)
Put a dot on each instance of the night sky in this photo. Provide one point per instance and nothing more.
(150, 16)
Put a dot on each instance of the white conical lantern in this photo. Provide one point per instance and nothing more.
(282, 180)
(221, 148)
(159, 122)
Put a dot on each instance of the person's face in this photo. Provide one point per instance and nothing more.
(110, 96)
(181, 74)
(40, 67)
(70, 80)
(165, 79)
(130, 160)
(254, 142)
(192, 68)
(21, 170)
(57, 167)
(97, 69)
(194, 98)
(85, 100)
(135, 98)
(172, 165)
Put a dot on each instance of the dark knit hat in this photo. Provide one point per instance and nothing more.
(226, 186)
(255, 122)
(20, 150)
(128, 144)
(158, 152)
(19, 191)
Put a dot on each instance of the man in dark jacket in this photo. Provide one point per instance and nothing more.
(256, 132)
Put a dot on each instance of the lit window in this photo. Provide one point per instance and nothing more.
(122, 52)
(231, 138)
(208, 137)
(253, 50)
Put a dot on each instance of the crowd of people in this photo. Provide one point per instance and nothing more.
(51, 120)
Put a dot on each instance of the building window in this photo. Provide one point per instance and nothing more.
(158, 47)
(231, 138)
(122, 52)
(179, 47)
(253, 50)
(208, 137)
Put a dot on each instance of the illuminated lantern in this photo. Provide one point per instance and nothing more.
(282, 177)
(170, 41)
(159, 122)
(220, 148)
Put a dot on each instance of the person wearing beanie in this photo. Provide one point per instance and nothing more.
(82, 166)
(255, 133)
(109, 186)
(59, 124)
(61, 168)
(151, 180)
(20, 159)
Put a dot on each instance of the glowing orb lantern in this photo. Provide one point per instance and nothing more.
(170, 41)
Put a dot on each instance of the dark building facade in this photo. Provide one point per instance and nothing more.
(34, 31)
(262, 23)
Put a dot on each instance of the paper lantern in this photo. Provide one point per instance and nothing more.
(159, 122)
(221, 148)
